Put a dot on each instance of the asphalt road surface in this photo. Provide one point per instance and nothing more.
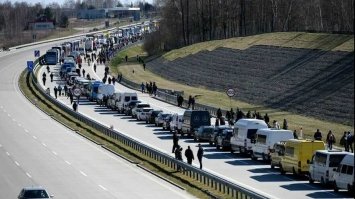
(36, 150)
(254, 175)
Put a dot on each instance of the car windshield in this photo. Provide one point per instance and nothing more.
(36, 194)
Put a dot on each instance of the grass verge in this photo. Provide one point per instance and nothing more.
(192, 186)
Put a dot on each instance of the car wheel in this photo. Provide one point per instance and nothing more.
(282, 171)
(350, 189)
(232, 151)
(336, 189)
(163, 128)
(252, 156)
(294, 171)
(272, 166)
(310, 179)
(195, 139)
(217, 147)
(211, 143)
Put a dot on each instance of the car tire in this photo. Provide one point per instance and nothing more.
(195, 139)
(272, 166)
(336, 189)
(282, 171)
(252, 156)
(310, 179)
(217, 147)
(211, 143)
(294, 171)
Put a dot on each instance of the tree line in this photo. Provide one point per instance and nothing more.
(185, 22)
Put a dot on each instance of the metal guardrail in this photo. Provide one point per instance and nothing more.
(207, 178)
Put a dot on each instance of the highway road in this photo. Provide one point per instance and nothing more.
(254, 175)
(36, 150)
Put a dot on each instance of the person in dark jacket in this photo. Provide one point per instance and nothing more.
(75, 106)
(318, 135)
(175, 142)
(330, 140)
(178, 155)
(200, 154)
(189, 155)
(51, 76)
(266, 119)
(55, 91)
(219, 113)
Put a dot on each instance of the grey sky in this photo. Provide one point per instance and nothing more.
(60, 2)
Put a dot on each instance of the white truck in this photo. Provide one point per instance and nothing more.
(124, 99)
(265, 140)
(244, 132)
(176, 123)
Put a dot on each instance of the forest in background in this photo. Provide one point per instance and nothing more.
(186, 22)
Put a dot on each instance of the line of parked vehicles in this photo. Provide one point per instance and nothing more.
(250, 137)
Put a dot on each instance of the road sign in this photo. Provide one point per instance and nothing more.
(230, 92)
(37, 54)
(30, 66)
(76, 92)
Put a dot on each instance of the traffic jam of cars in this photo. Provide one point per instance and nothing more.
(249, 137)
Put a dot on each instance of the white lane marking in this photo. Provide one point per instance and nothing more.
(5, 111)
(28, 175)
(44, 144)
(8, 115)
(7, 153)
(54, 153)
(102, 187)
(34, 137)
(26, 131)
(1, 107)
(17, 163)
(13, 120)
(19, 124)
(84, 174)
(0, 145)
(68, 162)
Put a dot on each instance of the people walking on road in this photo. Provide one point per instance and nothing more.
(83, 72)
(143, 66)
(95, 68)
(44, 80)
(75, 106)
(180, 100)
(266, 119)
(142, 87)
(109, 80)
(55, 91)
(65, 90)
(295, 136)
(189, 155)
(330, 140)
(178, 155)
(155, 88)
(318, 135)
(60, 90)
(200, 154)
(189, 102)
(104, 80)
(193, 103)
(343, 140)
(71, 97)
(175, 141)
(51, 76)
(113, 80)
(48, 70)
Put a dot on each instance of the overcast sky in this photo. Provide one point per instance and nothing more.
(60, 2)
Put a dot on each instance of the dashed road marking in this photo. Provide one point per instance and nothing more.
(54, 153)
(44, 144)
(13, 120)
(68, 162)
(84, 174)
(8, 115)
(28, 175)
(7, 153)
(4, 111)
(19, 124)
(0, 145)
(1, 107)
(102, 187)
(26, 131)
(34, 137)
(17, 163)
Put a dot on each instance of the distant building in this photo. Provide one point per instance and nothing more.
(41, 23)
(118, 12)
(91, 14)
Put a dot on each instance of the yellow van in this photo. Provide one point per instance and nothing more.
(298, 154)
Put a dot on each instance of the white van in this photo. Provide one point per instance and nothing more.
(344, 174)
(244, 131)
(265, 140)
(176, 123)
(322, 165)
(123, 100)
(111, 102)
